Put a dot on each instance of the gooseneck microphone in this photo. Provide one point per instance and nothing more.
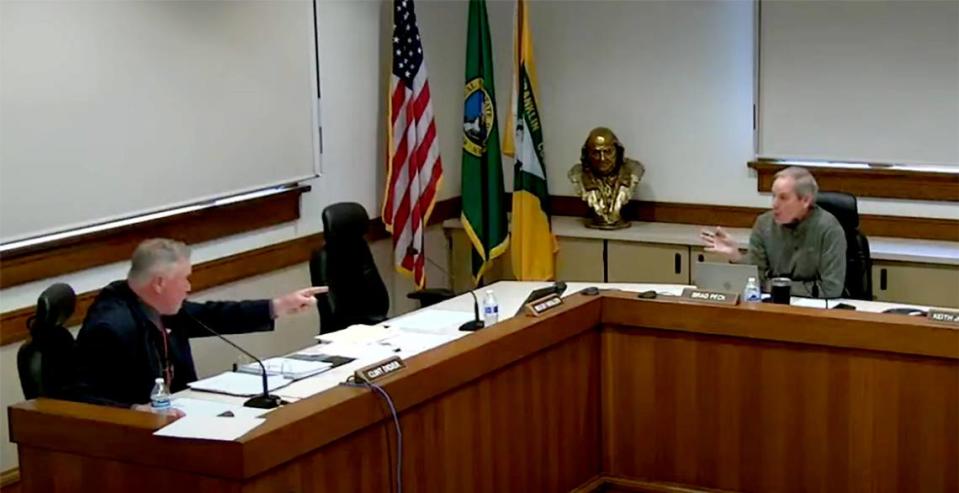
(263, 401)
(476, 323)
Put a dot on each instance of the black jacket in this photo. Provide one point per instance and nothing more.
(120, 351)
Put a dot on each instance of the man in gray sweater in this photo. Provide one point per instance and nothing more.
(796, 239)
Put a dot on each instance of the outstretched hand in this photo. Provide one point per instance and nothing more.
(297, 301)
(720, 242)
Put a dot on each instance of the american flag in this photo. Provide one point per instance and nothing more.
(414, 164)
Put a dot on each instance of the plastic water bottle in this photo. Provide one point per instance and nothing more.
(160, 396)
(751, 292)
(490, 309)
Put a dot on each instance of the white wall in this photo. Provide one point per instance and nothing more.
(351, 79)
(673, 79)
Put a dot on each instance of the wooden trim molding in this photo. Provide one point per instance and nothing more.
(9, 478)
(921, 228)
(892, 183)
(83, 252)
(615, 484)
(206, 275)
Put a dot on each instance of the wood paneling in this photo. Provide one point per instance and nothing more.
(548, 368)
(13, 324)
(531, 426)
(650, 395)
(10, 481)
(79, 473)
(210, 274)
(756, 416)
(880, 182)
(920, 228)
(263, 260)
(898, 334)
(612, 484)
(91, 250)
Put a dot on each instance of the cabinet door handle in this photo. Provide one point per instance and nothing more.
(883, 281)
(678, 263)
(702, 257)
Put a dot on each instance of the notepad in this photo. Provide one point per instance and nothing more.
(239, 384)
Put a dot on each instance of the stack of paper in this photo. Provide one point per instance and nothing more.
(293, 369)
(240, 384)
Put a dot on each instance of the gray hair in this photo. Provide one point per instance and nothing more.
(805, 183)
(155, 255)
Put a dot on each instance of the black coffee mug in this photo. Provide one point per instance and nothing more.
(780, 288)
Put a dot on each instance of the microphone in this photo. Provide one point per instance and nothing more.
(559, 287)
(471, 326)
(476, 323)
(264, 401)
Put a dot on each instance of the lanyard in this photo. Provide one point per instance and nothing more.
(167, 370)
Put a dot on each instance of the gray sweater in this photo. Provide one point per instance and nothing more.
(811, 253)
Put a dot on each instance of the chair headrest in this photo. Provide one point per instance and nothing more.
(344, 221)
(55, 305)
(841, 205)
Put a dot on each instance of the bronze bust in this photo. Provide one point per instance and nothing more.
(605, 178)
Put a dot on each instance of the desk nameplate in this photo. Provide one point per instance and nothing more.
(718, 297)
(944, 316)
(379, 370)
(540, 306)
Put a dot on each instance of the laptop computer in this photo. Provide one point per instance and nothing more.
(727, 277)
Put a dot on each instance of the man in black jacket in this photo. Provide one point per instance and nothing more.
(138, 329)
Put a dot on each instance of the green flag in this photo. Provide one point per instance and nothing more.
(484, 209)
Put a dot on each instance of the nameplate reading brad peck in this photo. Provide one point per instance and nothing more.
(718, 297)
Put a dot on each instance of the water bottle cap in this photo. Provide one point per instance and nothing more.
(489, 291)
(751, 279)
(159, 380)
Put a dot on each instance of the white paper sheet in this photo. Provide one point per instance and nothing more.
(209, 427)
(200, 407)
(356, 334)
(408, 344)
(370, 350)
(241, 384)
(432, 321)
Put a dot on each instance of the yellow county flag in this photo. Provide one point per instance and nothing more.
(532, 243)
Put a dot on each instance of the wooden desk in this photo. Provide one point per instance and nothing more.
(607, 393)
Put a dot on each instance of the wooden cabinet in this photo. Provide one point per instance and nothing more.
(921, 284)
(461, 270)
(579, 259)
(647, 262)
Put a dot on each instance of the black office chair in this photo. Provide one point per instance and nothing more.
(858, 259)
(357, 293)
(45, 362)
